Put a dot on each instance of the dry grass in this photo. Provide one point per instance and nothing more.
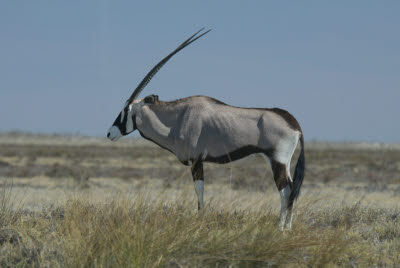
(86, 204)
(141, 232)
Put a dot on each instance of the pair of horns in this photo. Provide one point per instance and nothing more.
(156, 68)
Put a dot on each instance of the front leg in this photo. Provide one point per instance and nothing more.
(198, 179)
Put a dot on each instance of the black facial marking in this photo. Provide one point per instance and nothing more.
(121, 125)
(117, 121)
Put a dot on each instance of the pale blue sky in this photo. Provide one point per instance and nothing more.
(68, 66)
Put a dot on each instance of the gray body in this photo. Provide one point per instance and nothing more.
(201, 129)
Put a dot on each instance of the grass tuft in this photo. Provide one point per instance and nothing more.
(148, 233)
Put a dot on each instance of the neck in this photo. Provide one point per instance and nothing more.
(167, 113)
(156, 122)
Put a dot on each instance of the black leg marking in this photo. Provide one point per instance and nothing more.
(280, 176)
(197, 171)
(198, 178)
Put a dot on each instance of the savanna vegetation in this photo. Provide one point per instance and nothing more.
(83, 202)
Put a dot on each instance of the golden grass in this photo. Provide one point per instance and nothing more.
(82, 202)
(148, 231)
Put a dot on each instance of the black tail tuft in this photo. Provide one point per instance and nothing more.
(298, 175)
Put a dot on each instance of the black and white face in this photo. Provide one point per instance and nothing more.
(123, 124)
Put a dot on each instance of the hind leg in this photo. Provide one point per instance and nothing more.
(285, 196)
(281, 169)
(283, 184)
(290, 205)
(289, 218)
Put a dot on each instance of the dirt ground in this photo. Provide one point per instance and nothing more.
(47, 169)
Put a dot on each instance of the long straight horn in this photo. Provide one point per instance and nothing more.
(156, 68)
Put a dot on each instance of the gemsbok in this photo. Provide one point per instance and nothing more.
(201, 129)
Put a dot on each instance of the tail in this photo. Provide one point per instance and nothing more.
(298, 175)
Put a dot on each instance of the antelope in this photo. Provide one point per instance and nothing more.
(201, 129)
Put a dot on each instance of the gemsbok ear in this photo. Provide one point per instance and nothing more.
(150, 99)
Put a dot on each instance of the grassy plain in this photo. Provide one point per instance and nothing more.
(82, 202)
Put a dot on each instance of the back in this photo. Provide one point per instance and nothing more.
(223, 129)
